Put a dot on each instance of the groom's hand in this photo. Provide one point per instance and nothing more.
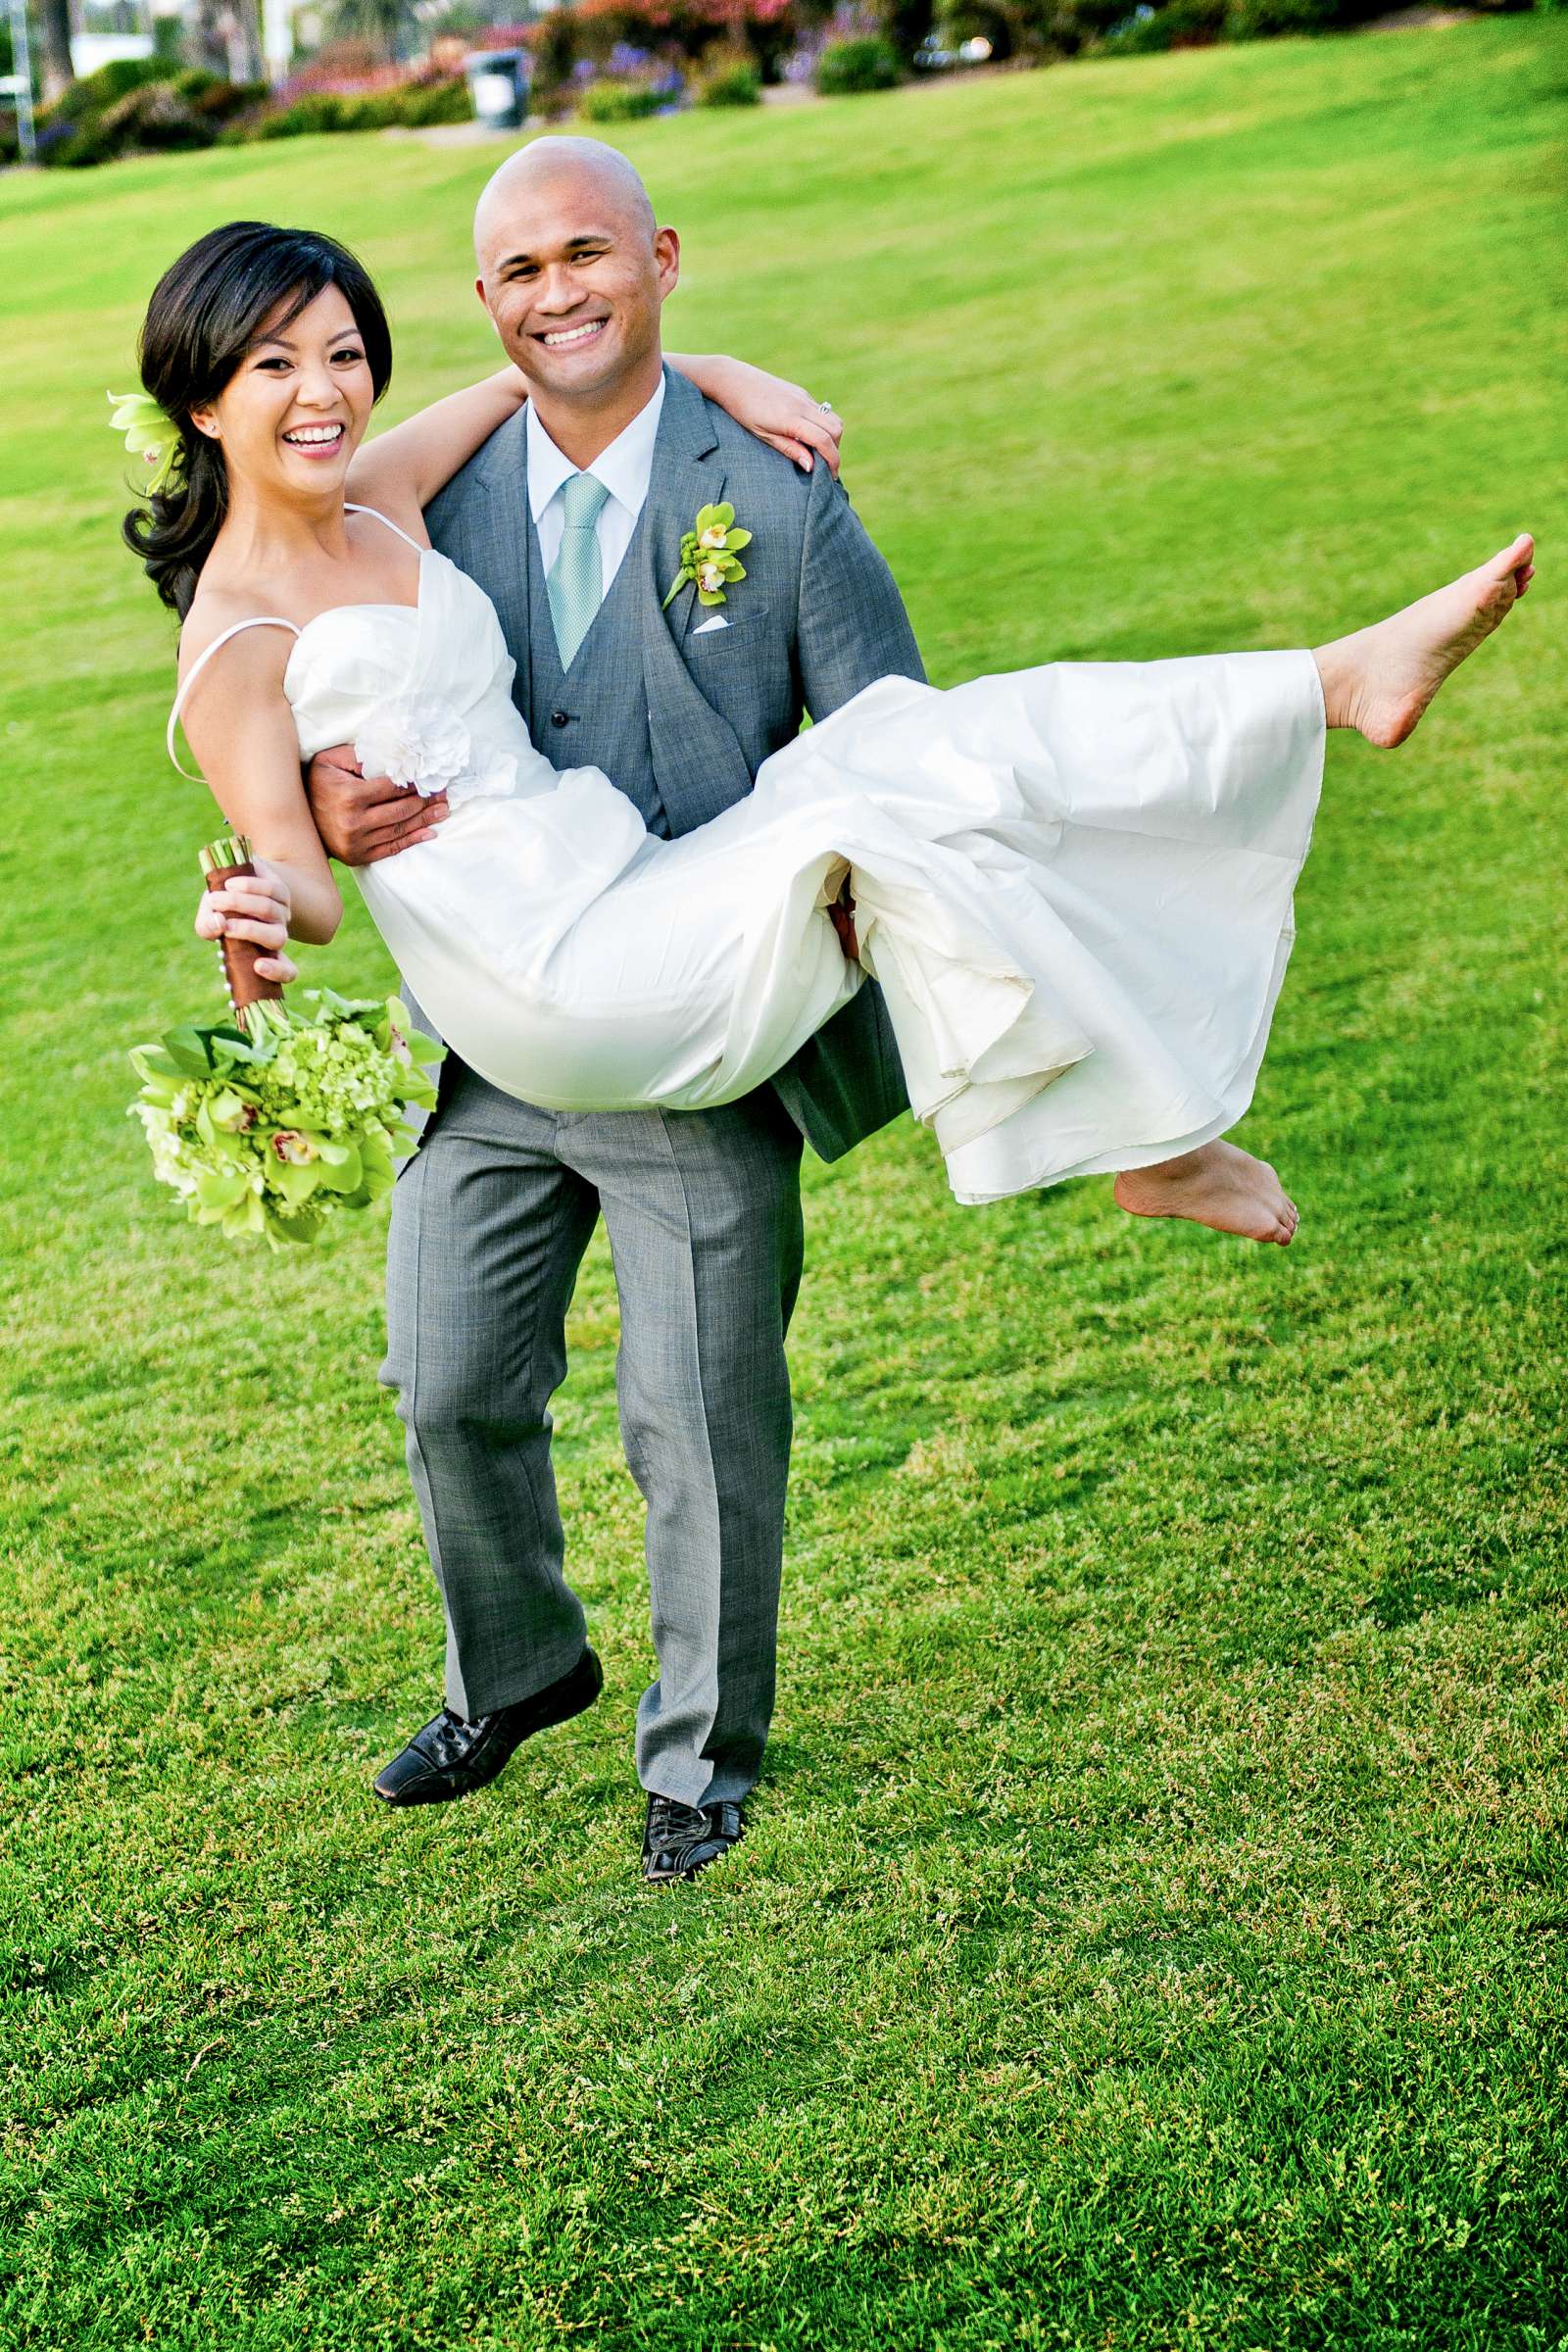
(362, 818)
(841, 914)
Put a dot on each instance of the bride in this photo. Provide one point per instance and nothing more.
(1073, 883)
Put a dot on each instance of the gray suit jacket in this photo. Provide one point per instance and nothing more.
(816, 619)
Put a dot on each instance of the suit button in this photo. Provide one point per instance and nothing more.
(557, 719)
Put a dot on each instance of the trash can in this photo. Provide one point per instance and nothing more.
(498, 84)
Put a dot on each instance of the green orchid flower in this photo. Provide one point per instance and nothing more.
(709, 554)
(151, 434)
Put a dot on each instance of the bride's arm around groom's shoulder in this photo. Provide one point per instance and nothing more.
(401, 469)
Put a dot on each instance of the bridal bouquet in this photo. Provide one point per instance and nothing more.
(270, 1129)
(271, 1122)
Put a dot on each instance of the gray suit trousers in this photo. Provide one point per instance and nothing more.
(489, 1224)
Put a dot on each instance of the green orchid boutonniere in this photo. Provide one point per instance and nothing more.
(709, 555)
(150, 434)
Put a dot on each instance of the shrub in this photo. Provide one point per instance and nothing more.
(675, 35)
(409, 105)
(138, 106)
(433, 102)
(135, 106)
(213, 98)
(1179, 25)
(317, 111)
(96, 92)
(731, 81)
(554, 46)
(1192, 24)
(156, 120)
(620, 101)
(1255, 20)
(850, 67)
(905, 24)
(142, 106)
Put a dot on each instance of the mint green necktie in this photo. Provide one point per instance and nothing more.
(576, 581)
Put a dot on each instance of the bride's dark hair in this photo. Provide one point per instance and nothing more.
(207, 311)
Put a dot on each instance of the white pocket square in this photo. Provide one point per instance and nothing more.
(718, 622)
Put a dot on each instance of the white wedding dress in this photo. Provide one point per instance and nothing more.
(1073, 884)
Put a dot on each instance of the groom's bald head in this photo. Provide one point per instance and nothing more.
(573, 270)
(599, 175)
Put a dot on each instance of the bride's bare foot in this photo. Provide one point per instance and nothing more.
(1381, 679)
(1216, 1185)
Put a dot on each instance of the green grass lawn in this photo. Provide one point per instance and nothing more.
(1152, 1931)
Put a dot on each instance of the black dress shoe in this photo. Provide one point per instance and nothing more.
(451, 1758)
(680, 1840)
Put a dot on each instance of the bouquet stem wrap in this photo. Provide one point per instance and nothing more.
(227, 860)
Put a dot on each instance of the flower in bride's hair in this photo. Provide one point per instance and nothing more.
(151, 434)
(415, 740)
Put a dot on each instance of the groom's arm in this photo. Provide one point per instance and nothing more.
(850, 625)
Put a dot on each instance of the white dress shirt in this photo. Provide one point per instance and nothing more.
(624, 468)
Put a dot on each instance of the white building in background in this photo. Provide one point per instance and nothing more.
(90, 50)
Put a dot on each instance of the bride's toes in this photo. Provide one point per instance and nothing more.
(1381, 680)
(1218, 1185)
(1518, 559)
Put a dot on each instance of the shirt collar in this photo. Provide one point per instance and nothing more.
(625, 467)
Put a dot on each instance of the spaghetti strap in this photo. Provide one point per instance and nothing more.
(261, 620)
(349, 507)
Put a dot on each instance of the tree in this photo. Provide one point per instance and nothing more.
(382, 24)
(224, 37)
(54, 29)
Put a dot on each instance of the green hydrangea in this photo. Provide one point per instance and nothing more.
(268, 1132)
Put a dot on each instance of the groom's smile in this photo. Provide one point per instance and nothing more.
(557, 338)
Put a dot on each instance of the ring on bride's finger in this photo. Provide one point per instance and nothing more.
(826, 407)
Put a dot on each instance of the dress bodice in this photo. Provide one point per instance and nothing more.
(423, 691)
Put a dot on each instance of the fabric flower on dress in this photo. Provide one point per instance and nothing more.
(419, 741)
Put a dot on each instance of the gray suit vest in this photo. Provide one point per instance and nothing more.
(577, 729)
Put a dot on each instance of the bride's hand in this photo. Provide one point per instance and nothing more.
(256, 907)
(777, 412)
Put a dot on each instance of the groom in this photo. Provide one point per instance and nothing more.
(571, 518)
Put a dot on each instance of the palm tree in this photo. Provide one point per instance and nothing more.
(381, 23)
(224, 37)
(54, 28)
